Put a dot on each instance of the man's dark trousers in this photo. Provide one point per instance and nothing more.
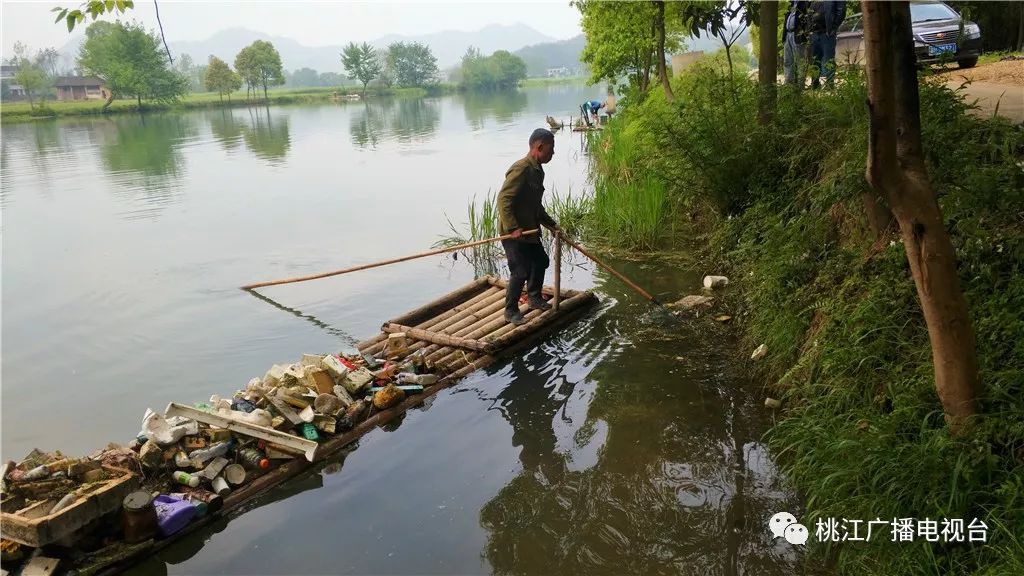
(527, 262)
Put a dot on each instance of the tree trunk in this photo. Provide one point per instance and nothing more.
(264, 90)
(662, 73)
(138, 98)
(768, 59)
(1020, 28)
(646, 78)
(896, 170)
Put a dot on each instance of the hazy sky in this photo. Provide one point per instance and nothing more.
(311, 23)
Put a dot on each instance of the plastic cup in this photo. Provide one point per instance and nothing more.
(235, 474)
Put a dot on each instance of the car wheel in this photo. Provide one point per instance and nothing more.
(967, 62)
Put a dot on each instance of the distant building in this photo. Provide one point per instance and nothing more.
(557, 72)
(12, 91)
(80, 88)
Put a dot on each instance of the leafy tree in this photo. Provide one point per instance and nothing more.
(714, 18)
(305, 77)
(624, 39)
(501, 70)
(129, 60)
(361, 62)
(259, 64)
(331, 79)
(221, 78)
(194, 74)
(32, 79)
(387, 75)
(413, 63)
(96, 8)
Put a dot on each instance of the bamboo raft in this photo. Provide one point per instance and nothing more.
(458, 333)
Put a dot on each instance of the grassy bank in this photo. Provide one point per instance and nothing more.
(22, 112)
(779, 208)
(567, 81)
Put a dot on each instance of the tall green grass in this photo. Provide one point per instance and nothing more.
(482, 222)
(630, 206)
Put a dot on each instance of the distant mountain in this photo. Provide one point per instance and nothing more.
(558, 54)
(448, 46)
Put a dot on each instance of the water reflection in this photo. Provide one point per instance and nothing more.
(404, 120)
(146, 145)
(368, 125)
(267, 136)
(415, 119)
(659, 475)
(266, 133)
(504, 106)
(143, 154)
(225, 128)
(47, 137)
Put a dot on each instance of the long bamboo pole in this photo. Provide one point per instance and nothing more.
(382, 262)
(558, 272)
(613, 271)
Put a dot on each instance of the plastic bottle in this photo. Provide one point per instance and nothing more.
(421, 379)
(37, 473)
(204, 454)
(185, 479)
(253, 458)
(64, 502)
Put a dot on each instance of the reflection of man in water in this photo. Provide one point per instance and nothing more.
(530, 404)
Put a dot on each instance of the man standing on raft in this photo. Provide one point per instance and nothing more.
(519, 210)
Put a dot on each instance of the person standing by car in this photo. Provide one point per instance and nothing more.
(794, 42)
(825, 18)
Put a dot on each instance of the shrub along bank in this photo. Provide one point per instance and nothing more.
(780, 207)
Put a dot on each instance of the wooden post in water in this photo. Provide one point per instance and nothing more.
(558, 270)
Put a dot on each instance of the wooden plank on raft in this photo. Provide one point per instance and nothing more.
(519, 332)
(307, 447)
(437, 338)
(445, 302)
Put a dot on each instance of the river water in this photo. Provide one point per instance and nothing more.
(627, 443)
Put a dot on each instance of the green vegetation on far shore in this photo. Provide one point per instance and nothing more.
(561, 81)
(21, 112)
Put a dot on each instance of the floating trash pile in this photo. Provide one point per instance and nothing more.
(183, 464)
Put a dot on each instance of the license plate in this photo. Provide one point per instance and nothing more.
(942, 49)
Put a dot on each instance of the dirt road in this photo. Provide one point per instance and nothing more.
(990, 85)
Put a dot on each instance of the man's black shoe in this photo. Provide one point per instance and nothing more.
(515, 318)
(537, 303)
